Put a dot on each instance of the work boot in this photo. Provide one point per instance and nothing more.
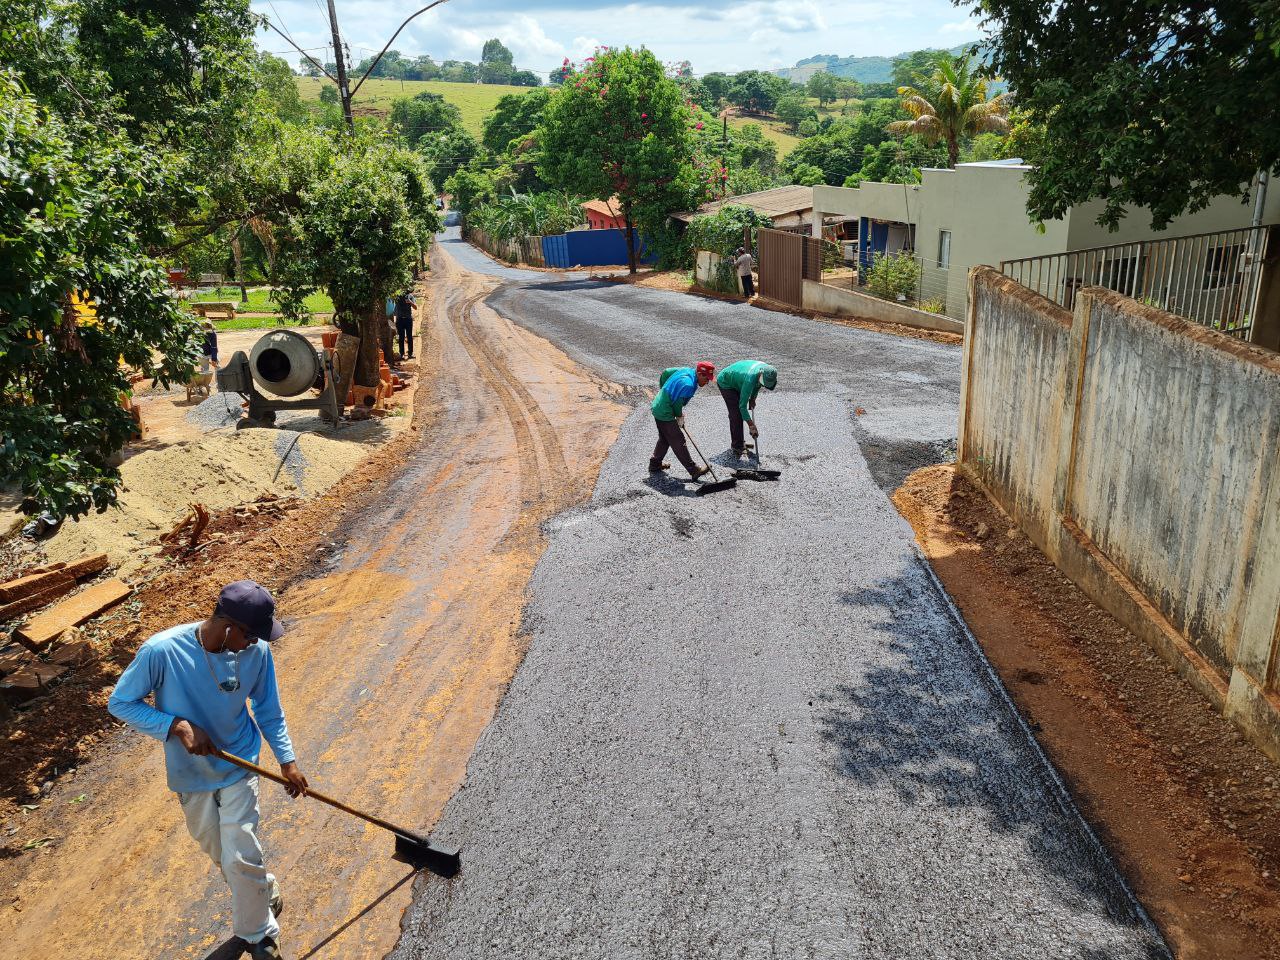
(265, 949)
(656, 467)
(699, 472)
(277, 901)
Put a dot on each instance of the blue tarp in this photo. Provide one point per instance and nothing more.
(591, 248)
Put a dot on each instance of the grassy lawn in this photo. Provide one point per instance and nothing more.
(475, 100)
(260, 301)
(774, 130)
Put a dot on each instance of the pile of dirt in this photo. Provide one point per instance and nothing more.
(1186, 805)
(218, 470)
(58, 731)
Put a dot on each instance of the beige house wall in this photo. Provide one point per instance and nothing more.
(984, 207)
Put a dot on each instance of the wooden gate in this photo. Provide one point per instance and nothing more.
(786, 260)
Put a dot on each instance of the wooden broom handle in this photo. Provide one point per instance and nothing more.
(316, 794)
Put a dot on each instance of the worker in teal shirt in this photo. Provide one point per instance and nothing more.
(200, 675)
(676, 387)
(739, 384)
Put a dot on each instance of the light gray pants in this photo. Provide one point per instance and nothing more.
(225, 824)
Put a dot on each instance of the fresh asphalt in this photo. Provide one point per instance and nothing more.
(750, 724)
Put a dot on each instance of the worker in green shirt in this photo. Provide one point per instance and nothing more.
(739, 384)
(676, 387)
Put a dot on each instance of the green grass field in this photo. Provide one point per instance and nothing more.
(260, 301)
(475, 100)
(774, 130)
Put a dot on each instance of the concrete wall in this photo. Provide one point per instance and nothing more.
(843, 302)
(1141, 452)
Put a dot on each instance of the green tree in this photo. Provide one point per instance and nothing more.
(949, 105)
(75, 223)
(619, 126)
(807, 175)
(717, 86)
(1149, 105)
(823, 87)
(838, 152)
(524, 78)
(910, 66)
(468, 189)
(278, 88)
(446, 152)
(495, 62)
(424, 117)
(808, 127)
(846, 90)
(791, 110)
(757, 92)
(514, 115)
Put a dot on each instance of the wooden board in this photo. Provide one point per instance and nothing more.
(42, 629)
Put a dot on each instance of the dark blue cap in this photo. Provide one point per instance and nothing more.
(250, 605)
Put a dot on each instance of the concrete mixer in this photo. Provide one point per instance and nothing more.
(283, 364)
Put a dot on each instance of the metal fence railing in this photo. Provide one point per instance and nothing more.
(1210, 278)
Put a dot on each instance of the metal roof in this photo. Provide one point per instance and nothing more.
(777, 202)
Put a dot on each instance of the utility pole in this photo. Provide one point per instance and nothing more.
(724, 155)
(340, 59)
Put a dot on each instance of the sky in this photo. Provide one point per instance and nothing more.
(727, 35)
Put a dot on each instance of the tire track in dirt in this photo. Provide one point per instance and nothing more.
(394, 664)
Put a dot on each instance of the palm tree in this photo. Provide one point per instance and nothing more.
(949, 104)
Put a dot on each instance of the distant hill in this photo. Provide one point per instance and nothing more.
(862, 69)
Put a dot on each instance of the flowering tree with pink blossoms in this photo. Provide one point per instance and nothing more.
(620, 126)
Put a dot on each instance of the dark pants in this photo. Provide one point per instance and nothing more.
(748, 288)
(404, 332)
(731, 400)
(671, 437)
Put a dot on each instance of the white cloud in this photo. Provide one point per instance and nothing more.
(968, 27)
(712, 34)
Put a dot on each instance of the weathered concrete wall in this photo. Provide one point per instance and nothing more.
(1141, 452)
(843, 302)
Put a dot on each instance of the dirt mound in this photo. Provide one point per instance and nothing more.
(219, 471)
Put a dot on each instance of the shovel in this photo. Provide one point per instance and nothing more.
(756, 472)
(717, 484)
(411, 848)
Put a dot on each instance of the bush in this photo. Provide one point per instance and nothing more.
(722, 232)
(893, 276)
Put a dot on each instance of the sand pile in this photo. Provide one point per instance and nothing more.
(219, 471)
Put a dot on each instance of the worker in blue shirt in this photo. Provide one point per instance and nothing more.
(676, 387)
(201, 675)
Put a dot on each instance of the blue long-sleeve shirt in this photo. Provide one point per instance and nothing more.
(676, 387)
(172, 665)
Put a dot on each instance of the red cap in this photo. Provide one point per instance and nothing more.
(708, 368)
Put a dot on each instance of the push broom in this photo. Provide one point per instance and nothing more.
(716, 484)
(412, 848)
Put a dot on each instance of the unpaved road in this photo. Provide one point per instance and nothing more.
(393, 666)
(748, 725)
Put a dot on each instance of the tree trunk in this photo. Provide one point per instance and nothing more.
(370, 345)
(631, 240)
(236, 252)
(953, 151)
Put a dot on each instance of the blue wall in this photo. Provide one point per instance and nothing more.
(591, 248)
(872, 240)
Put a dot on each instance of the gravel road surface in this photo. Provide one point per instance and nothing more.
(747, 726)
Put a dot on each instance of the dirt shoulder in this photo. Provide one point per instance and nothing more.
(403, 587)
(1186, 806)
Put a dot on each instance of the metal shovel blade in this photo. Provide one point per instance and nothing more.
(420, 852)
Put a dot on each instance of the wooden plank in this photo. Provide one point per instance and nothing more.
(31, 681)
(26, 586)
(41, 631)
(34, 601)
(87, 566)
